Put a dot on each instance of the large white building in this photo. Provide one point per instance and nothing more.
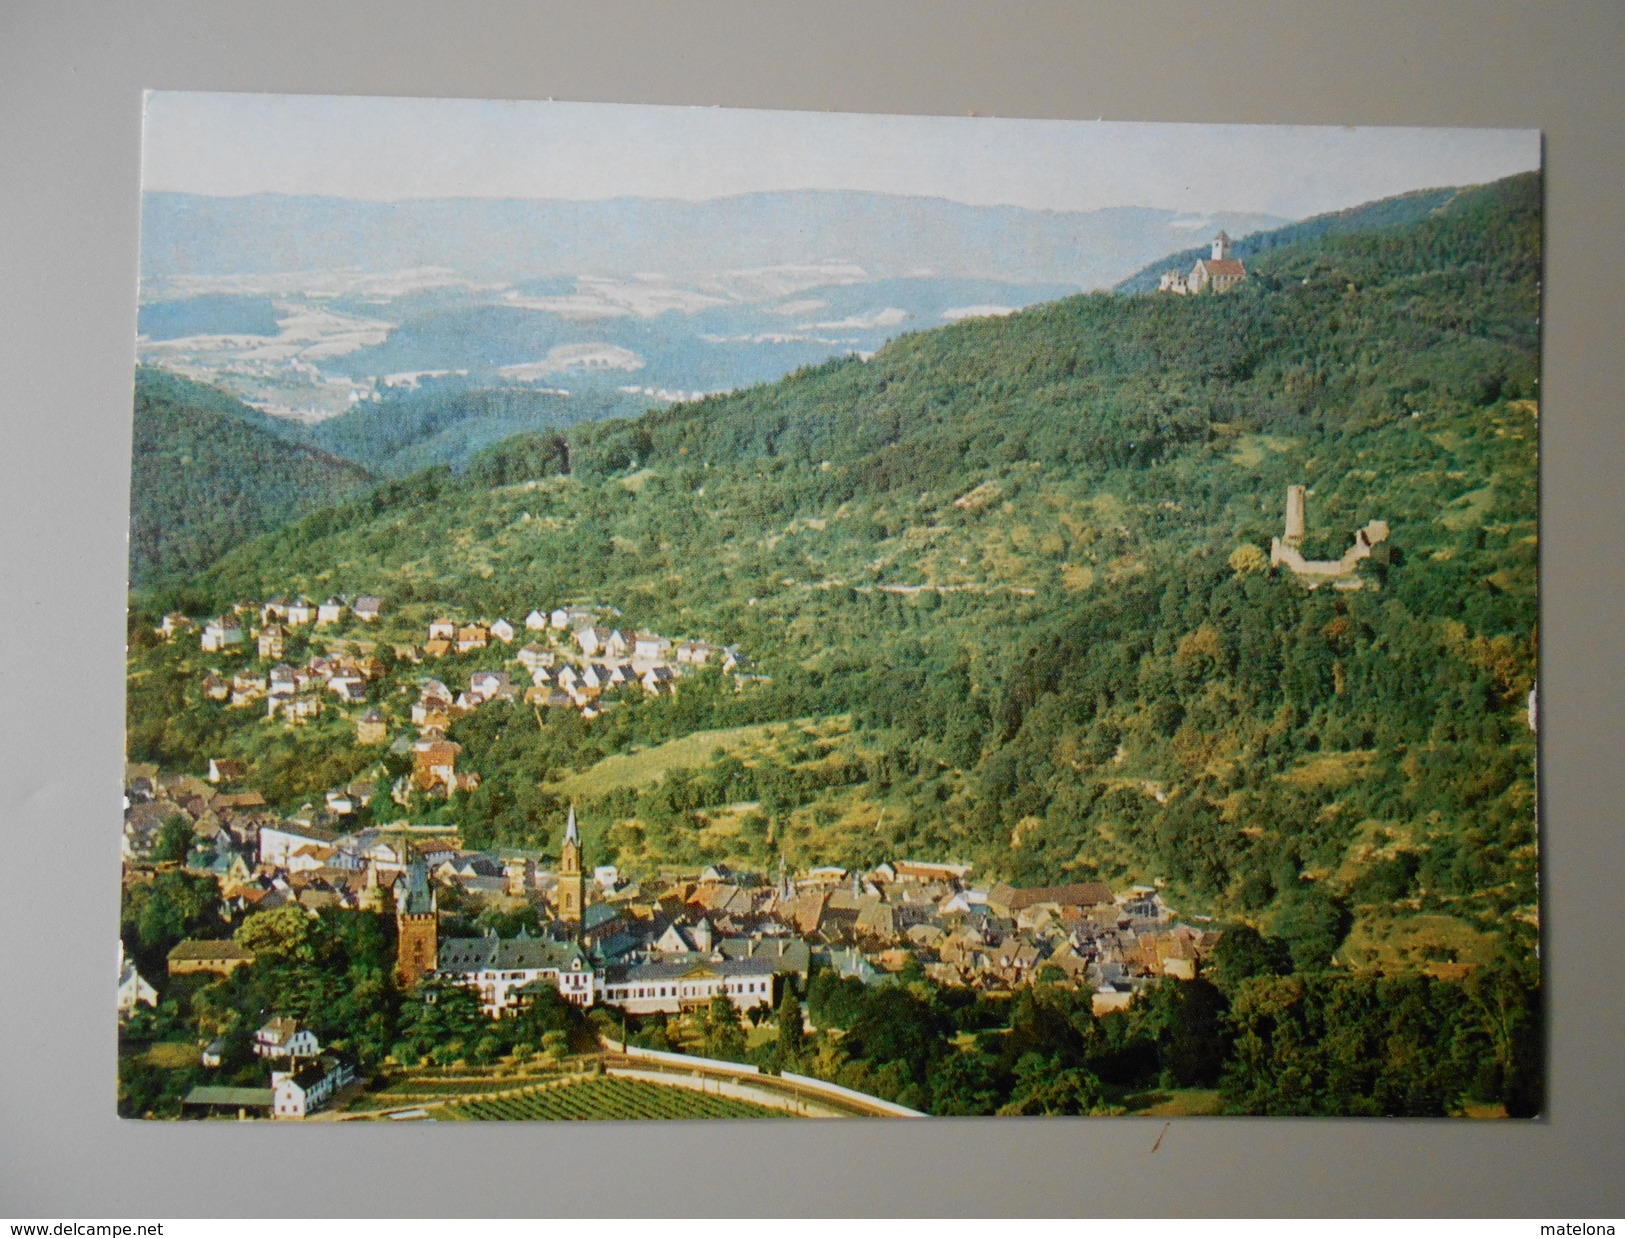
(497, 969)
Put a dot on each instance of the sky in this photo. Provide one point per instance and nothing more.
(391, 149)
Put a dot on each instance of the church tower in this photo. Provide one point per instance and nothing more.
(572, 887)
(417, 926)
(1221, 245)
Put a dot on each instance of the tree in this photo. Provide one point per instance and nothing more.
(724, 1037)
(1244, 952)
(1045, 1087)
(792, 1031)
(1248, 558)
(174, 841)
(172, 906)
(282, 934)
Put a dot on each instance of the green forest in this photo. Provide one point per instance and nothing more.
(209, 473)
(1006, 596)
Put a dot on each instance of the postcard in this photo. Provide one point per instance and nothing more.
(669, 613)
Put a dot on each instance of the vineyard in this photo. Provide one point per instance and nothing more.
(604, 1098)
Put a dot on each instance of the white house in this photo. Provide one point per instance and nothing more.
(330, 611)
(368, 608)
(534, 655)
(283, 1037)
(296, 1093)
(502, 630)
(650, 645)
(277, 843)
(133, 991)
(645, 988)
(219, 633)
(535, 621)
(497, 969)
(301, 611)
(486, 684)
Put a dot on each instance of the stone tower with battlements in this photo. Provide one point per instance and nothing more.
(417, 926)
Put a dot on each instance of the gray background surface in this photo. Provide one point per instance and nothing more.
(71, 77)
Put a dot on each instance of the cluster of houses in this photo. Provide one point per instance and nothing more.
(667, 943)
(570, 661)
(743, 931)
(573, 660)
(277, 615)
(303, 1079)
(296, 693)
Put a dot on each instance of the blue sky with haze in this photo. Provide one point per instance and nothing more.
(392, 149)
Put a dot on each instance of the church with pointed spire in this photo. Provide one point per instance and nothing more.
(572, 887)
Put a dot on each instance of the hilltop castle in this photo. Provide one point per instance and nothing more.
(1218, 272)
(1284, 549)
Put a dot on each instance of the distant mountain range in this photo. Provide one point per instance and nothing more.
(306, 306)
(187, 237)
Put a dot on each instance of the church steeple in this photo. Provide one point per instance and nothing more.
(572, 884)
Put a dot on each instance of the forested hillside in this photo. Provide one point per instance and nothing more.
(209, 473)
(1007, 588)
(446, 421)
(1405, 209)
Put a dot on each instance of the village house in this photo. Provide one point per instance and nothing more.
(300, 612)
(533, 656)
(1007, 901)
(173, 622)
(247, 687)
(223, 769)
(486, 684)
(330, 611)
(282, 1036)
(133, 991)
(277, 842)
(214, 688)
(694, 653)
(222, 957)
(651, 646)
(536, 621)
(471, 637)
(295, 710)
(658, 679)
(368, 608)
(434, 765)
(502, 630)
(371, 728)
(273, 641)
(221, 633)
(274, 610)
(299, 1093)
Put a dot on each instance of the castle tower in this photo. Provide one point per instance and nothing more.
(417, 926)
(1221, 245)
(1294, 513)
(572, 887)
